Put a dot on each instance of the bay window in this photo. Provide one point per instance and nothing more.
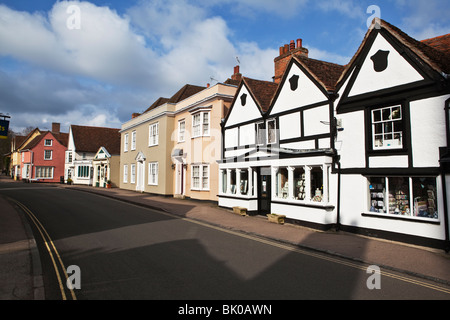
(201, 124)
(304, 183)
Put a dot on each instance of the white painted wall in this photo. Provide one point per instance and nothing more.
(240, 113)
(428, 131)
(399, 71)
(312, 120)
(290, 126)
(307, 93)
(350, 142)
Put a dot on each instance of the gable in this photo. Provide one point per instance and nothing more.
(297, 90)
(383, 68)
(243, 109)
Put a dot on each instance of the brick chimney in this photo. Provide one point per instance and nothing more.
(286, 52)
(237, 75)
(56, 127)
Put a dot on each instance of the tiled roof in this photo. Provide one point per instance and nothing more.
(325, 72)
(441, 43)
(90, 139)
(262, 91)
(185, 92)
(157, 103)
(62, 138)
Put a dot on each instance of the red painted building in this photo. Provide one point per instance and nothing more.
(43, 159)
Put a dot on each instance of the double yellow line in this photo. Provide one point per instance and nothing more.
(53, 253)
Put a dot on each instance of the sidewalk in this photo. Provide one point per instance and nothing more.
(20, 277)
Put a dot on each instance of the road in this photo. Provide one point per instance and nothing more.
(123, 251)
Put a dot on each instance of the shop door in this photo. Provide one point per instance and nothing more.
(264, 191)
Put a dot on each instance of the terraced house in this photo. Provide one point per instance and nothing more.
(172, 148)
(363, 147)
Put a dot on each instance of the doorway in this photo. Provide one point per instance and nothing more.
(264, 190)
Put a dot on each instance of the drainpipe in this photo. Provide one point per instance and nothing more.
(338, 208)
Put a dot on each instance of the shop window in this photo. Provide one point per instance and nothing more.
(282, 183)
(316, 184)
(233, 181)
(387, 128)
(299, 183)
(244, 182)
(424, 197)
(224, 181)
(406, 196)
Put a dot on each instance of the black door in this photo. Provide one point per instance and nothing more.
(264, 191)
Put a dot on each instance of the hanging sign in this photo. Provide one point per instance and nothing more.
(4, 125)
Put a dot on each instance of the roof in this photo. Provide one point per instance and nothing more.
(90, 139)
(433, 52)
(185, 92)
(262, 91)
(326, 73)
(441, 43)
(62, 138)
(157, 103)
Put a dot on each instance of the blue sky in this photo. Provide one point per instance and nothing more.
(126, 54)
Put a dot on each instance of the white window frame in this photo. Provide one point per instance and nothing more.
(153, 134)
(45, 155)
(181, 132)
(125, 173)
(153, 173)
(384, 123)
(133, 173)
(43, 172)
(133, 140)
(50, 144)
(202, 126)
(201, 182)
(125, 142)
(69, 158)
(260, 133)
(274, 131)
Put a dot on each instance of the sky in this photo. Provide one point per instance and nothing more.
(96, 62)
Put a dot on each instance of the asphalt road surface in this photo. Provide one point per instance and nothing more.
(109, 249)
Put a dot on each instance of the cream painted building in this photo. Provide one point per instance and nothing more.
(172, 148)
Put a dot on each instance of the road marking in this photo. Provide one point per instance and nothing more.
(287, 247)
(321, 256)
(50, 246)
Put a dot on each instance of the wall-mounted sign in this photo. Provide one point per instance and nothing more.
(4, 126)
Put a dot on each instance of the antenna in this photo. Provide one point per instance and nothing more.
(237, 59)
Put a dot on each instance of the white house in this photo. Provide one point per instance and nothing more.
(278, 148)
(84, 143)
(393, 97)
(363, 147)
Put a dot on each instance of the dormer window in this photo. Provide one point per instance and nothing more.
(387, 128)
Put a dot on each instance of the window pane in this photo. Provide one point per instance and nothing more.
(299, 183)
(399, 195)
(425, 197)
(376, 114)
(244, 181)
(386, 114)
(377, 190)
(396, 113)
(316, 184)
(378, 128)
(282, 183)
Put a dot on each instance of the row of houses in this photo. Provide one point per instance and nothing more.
(86, 155)
(362, 147)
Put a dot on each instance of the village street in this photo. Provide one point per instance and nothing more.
(117, 250)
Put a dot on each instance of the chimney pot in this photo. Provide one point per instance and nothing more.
(299, 43)
(292, 45)
(286, 48)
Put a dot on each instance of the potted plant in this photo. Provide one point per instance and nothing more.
(276, 218)
(108, 184)
(69, 181)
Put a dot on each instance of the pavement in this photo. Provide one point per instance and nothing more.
(21, 274)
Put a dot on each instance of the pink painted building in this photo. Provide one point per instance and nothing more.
(43, 159)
